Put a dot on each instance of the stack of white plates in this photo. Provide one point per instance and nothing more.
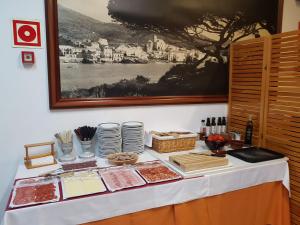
(133, 136)
(109, 138)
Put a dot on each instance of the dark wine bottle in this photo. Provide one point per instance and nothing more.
(223, 125)
(213, 125)
(219, 125)
(249, 131)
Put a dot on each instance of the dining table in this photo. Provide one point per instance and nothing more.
(240, 193)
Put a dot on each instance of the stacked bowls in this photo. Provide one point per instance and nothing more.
(133, 136)
(109, 138)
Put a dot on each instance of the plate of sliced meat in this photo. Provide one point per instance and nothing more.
(155, 172)
(119, 178)
(34, 191)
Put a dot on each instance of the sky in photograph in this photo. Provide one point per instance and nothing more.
(96, 9)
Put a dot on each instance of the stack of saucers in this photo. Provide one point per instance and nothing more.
(133, 136)
(109, 138)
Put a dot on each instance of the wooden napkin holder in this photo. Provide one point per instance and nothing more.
(28, 158)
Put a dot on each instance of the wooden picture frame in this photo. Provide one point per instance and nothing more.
(57, 102)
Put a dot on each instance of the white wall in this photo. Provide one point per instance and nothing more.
(25, 116)
(291, 15)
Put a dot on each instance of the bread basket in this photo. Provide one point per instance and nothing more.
(122, 158)
(164, 142)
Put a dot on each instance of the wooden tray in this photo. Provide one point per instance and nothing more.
(190, 162)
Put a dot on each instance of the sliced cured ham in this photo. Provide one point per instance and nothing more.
(121, 178)
(156, 172)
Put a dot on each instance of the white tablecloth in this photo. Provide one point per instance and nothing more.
(240, 175)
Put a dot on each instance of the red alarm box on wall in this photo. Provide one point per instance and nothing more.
(27, 57)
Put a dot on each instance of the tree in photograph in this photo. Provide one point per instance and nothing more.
(207, 25)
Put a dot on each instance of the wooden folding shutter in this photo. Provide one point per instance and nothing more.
(246, 86)
(282, 108)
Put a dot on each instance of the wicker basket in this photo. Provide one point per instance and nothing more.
(174, 144)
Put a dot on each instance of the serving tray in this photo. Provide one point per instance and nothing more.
(156, 172)
(33, 191)
(255, 154)
(192, 162)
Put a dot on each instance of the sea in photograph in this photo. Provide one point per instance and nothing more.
(77, 75)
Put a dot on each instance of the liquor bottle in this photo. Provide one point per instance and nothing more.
(223, 128)
(202, 130)
(208, 127)
(249, 131)
(219, 125)
(213, 125)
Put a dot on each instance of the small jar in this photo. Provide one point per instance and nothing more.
(67, 150)
(86, 149)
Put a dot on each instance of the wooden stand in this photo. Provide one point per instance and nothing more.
(27, 158)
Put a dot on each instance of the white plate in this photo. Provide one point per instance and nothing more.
(133, 145)
(133, 124)
(133, 142)
(109, 126)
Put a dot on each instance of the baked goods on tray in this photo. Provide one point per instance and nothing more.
(122, 158)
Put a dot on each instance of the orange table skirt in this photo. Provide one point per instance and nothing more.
(266, 204)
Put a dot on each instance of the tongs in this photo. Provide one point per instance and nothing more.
(208, 154)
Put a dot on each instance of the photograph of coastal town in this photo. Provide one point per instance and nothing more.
(107, 49)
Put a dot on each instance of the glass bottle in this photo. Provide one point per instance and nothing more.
(202, 130)
(208, 127)
(249, 131)
(219, 125)
(213, 125)
(223, 128)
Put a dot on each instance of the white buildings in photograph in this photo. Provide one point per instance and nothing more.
(107, 52)
(159, 44)
(102, 42)
(177, 56)
(149, 46)
(100, 51)
(132, 51)
(70, 54)
(118, 57)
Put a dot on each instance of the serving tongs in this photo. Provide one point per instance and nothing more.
(221, 154)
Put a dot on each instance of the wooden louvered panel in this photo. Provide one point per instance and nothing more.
(282, 108)
(295, 219)
(247, 82)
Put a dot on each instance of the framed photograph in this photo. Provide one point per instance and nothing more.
(147, 52)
